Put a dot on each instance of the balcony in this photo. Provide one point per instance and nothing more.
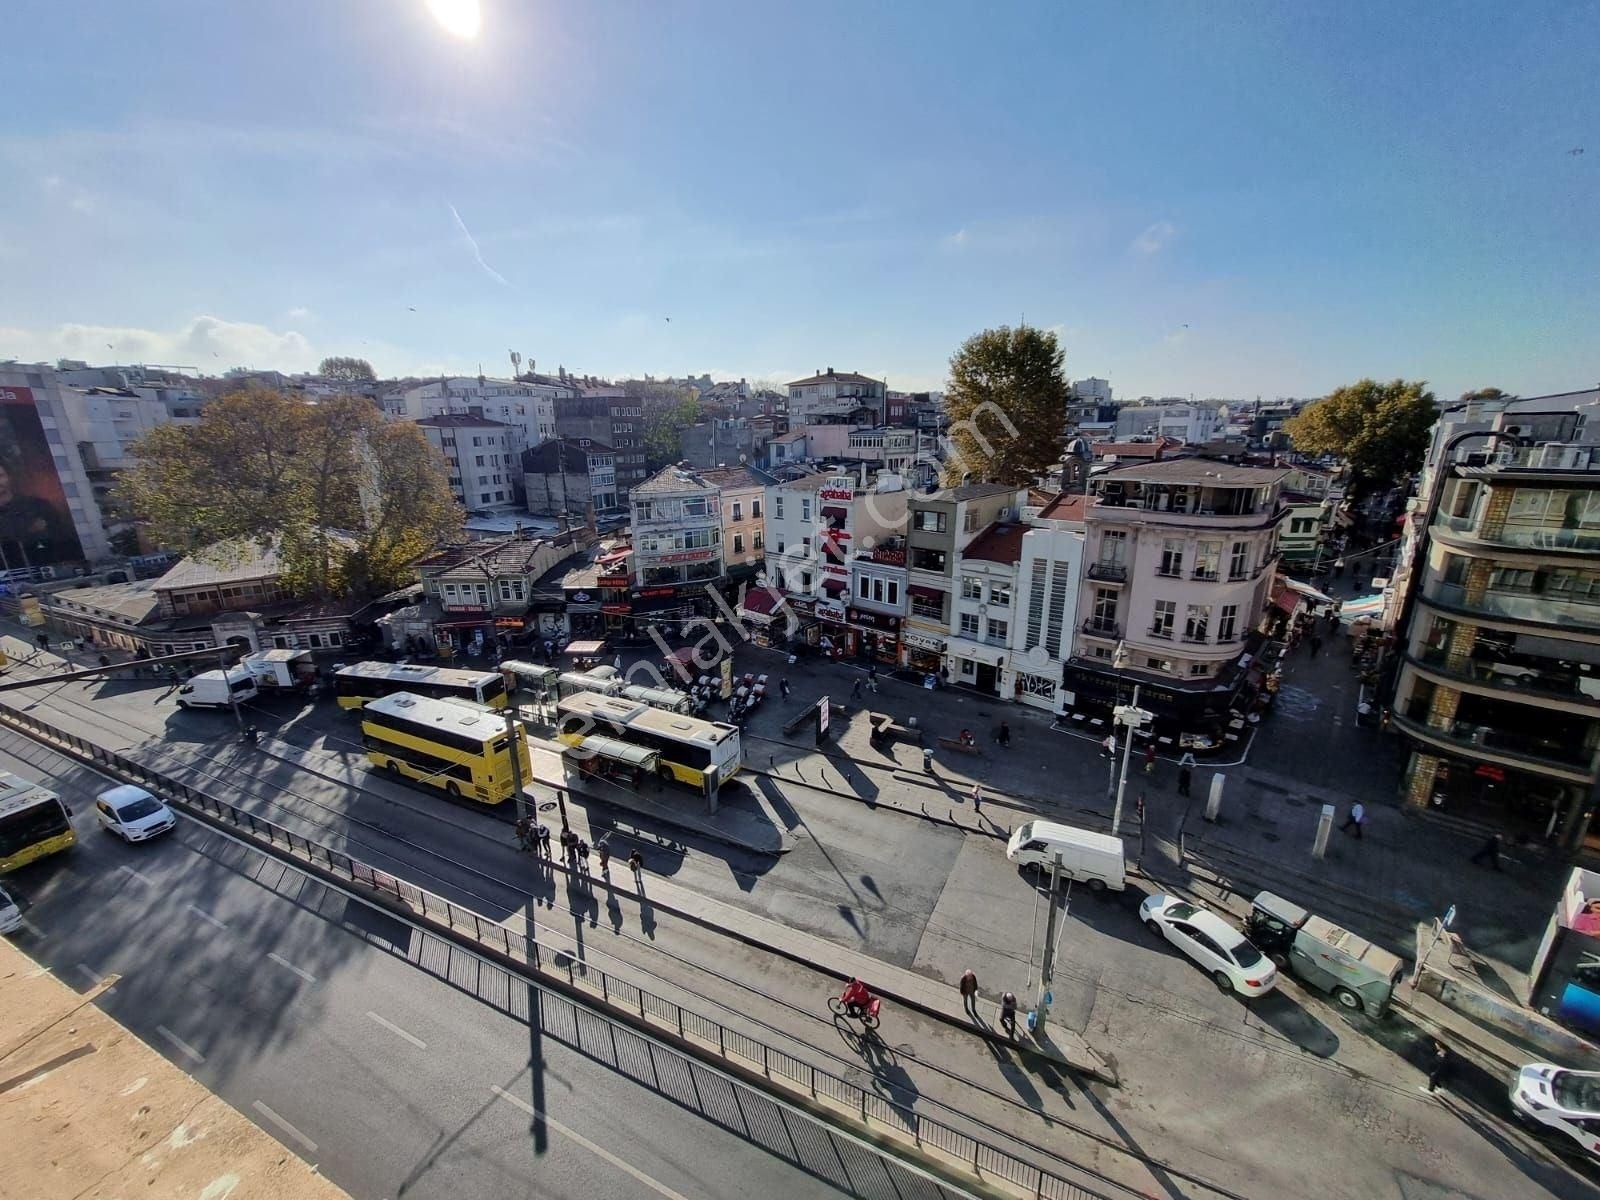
(1478, 740)
(1108, 572)
(1109, 630)
(1520, 536)
(1166, 572)
(1163, 633)
(1206, 574)
(1514, 606)
(1196, 637)
(1528, 678)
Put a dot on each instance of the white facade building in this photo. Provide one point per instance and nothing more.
(527, 409)
(831, 392)
(485, 472)
(1191, 424)
(677, 532)
(1046, 604)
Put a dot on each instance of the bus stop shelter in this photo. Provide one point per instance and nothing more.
(611, 758)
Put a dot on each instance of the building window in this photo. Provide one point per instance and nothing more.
(1171, 558)
(1166, 615)
(997, 630)
(1158, 664)
(756, 539)
(1227, 622)
(805, 581)
(738, 543)
(969, 669)
(483, 498)
(777, 507)
(738, 510)
(1197, 623)
(929, 521)
(1239, 560)
(924, 559)
(1105, 608)
(805, 508)
(755, 510)
(1199, 669)
(969, 625)
(971, 587)
(931, 607)
(480, 460)
(1000, 593)
(1207, 558)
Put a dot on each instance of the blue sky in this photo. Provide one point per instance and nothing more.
(1220, 199)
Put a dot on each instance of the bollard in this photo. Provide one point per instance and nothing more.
(1214, 798)
(1319, 844)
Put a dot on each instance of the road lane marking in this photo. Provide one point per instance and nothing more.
(290, 1130)
(32, 928)
(597, 1151)
(94, 977)
(136, 873)
(289, 966)
(206, 917)
(398, 1032)
(180, 1045)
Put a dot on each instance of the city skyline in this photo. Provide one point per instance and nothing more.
(1271, 204)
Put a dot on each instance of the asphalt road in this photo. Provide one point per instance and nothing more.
(400, 1066)
(1245, 1082)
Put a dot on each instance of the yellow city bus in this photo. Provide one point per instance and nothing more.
(362, 682)
(690, 750)
(34, 822)
(460, 748)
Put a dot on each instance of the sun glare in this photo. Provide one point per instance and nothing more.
(460, 17)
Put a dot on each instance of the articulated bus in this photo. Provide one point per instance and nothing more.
(33, 822)
(460, 748)
(690, 750)
(362, 682)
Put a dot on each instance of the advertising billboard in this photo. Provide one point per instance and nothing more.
(35, 523)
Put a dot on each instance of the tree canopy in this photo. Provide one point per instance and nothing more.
(667, 411)
(343, 369)
(1006, 400)
(347, 499)
(1380, 429)
(1488, 393)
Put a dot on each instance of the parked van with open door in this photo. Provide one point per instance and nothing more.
(1095, 859)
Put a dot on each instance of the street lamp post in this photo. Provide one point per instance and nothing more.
(1131, 717)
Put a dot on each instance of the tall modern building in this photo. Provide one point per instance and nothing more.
(1497, 682)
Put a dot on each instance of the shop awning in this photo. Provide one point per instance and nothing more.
(614, 750)
(927, 593)
(834, 586)
(1285, 599)
(760, 602)
(1311, 593)
(584, 649)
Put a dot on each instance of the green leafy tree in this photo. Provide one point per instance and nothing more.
(347, 498)
(667, 412)
(343, 369)
(1488, 393)
(1380, 429)
(1006, 401)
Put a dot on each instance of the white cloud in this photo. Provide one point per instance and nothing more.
(954, 241)
(1156, 238)
(299, 313)
(209, 343)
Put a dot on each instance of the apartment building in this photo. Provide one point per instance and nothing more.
(569, 477)
(1179, 557)
(527, 410)
(743, 492)
(1188, 424)
(1044, 612)
(817, 527)
(1497, 685)
(607, 414)
(485, 470)
(830, 392)
(677, 545)
(982, 620)
(939, 526)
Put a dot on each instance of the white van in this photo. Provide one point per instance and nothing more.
(218, 689)
(1090, 858)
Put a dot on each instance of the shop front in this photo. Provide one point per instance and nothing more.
(1198, 717)
(835, 638)
(1523, 805)
(877, 634)
(975, 665)
(584, 616)
(923, 652)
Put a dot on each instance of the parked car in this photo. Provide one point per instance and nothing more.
(1546, 1095)
(1225, 953)
(132, 813)
(1095, 859)
(10, 913)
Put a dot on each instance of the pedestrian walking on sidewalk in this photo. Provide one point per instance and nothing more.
(605, 858)
(543, 834)
(1004, 736)
(872, 676)
(1356, 819)
(1316, 644)
(1149, 758)
(783, 685)
(1110, 745)
(1185, 775)
(524, 828)
(1488, 854)
(1438, 1063)
(855, 689)
(636, 865)
(977, 797)
(580, 855)
(1008, 1014)
(969, 991)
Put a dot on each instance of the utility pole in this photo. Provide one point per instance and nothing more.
(1132, 717)
(233, 700)
(1047, 961)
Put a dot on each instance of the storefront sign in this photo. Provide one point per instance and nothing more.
(613, 581)
(922, 642)
(580, 597)
(842, 488)
(680, 556)
(615, 610)
(888, 556)
(655, 593)
(465, 608)
(841, 572)
(830, 610)
(872, 620)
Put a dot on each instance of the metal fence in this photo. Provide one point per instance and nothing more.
(881, 1114)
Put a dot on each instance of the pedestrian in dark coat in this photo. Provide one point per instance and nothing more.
(1438, 1063)
(605, 858)
(1005, 734)
(543, 833)
(1008, 1014)
(969, 991)
(855, 690)
(1185, 777)
(1488, 854)
(636, 863)
(783, 686)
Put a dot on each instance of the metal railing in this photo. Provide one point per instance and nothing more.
(960, 1149)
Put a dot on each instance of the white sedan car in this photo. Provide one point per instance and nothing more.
(1231, 961)
(1566, 1101)
(132, 813)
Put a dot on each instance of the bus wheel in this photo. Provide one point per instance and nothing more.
(453, 789)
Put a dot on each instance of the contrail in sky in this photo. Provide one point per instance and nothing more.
(477, 253)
